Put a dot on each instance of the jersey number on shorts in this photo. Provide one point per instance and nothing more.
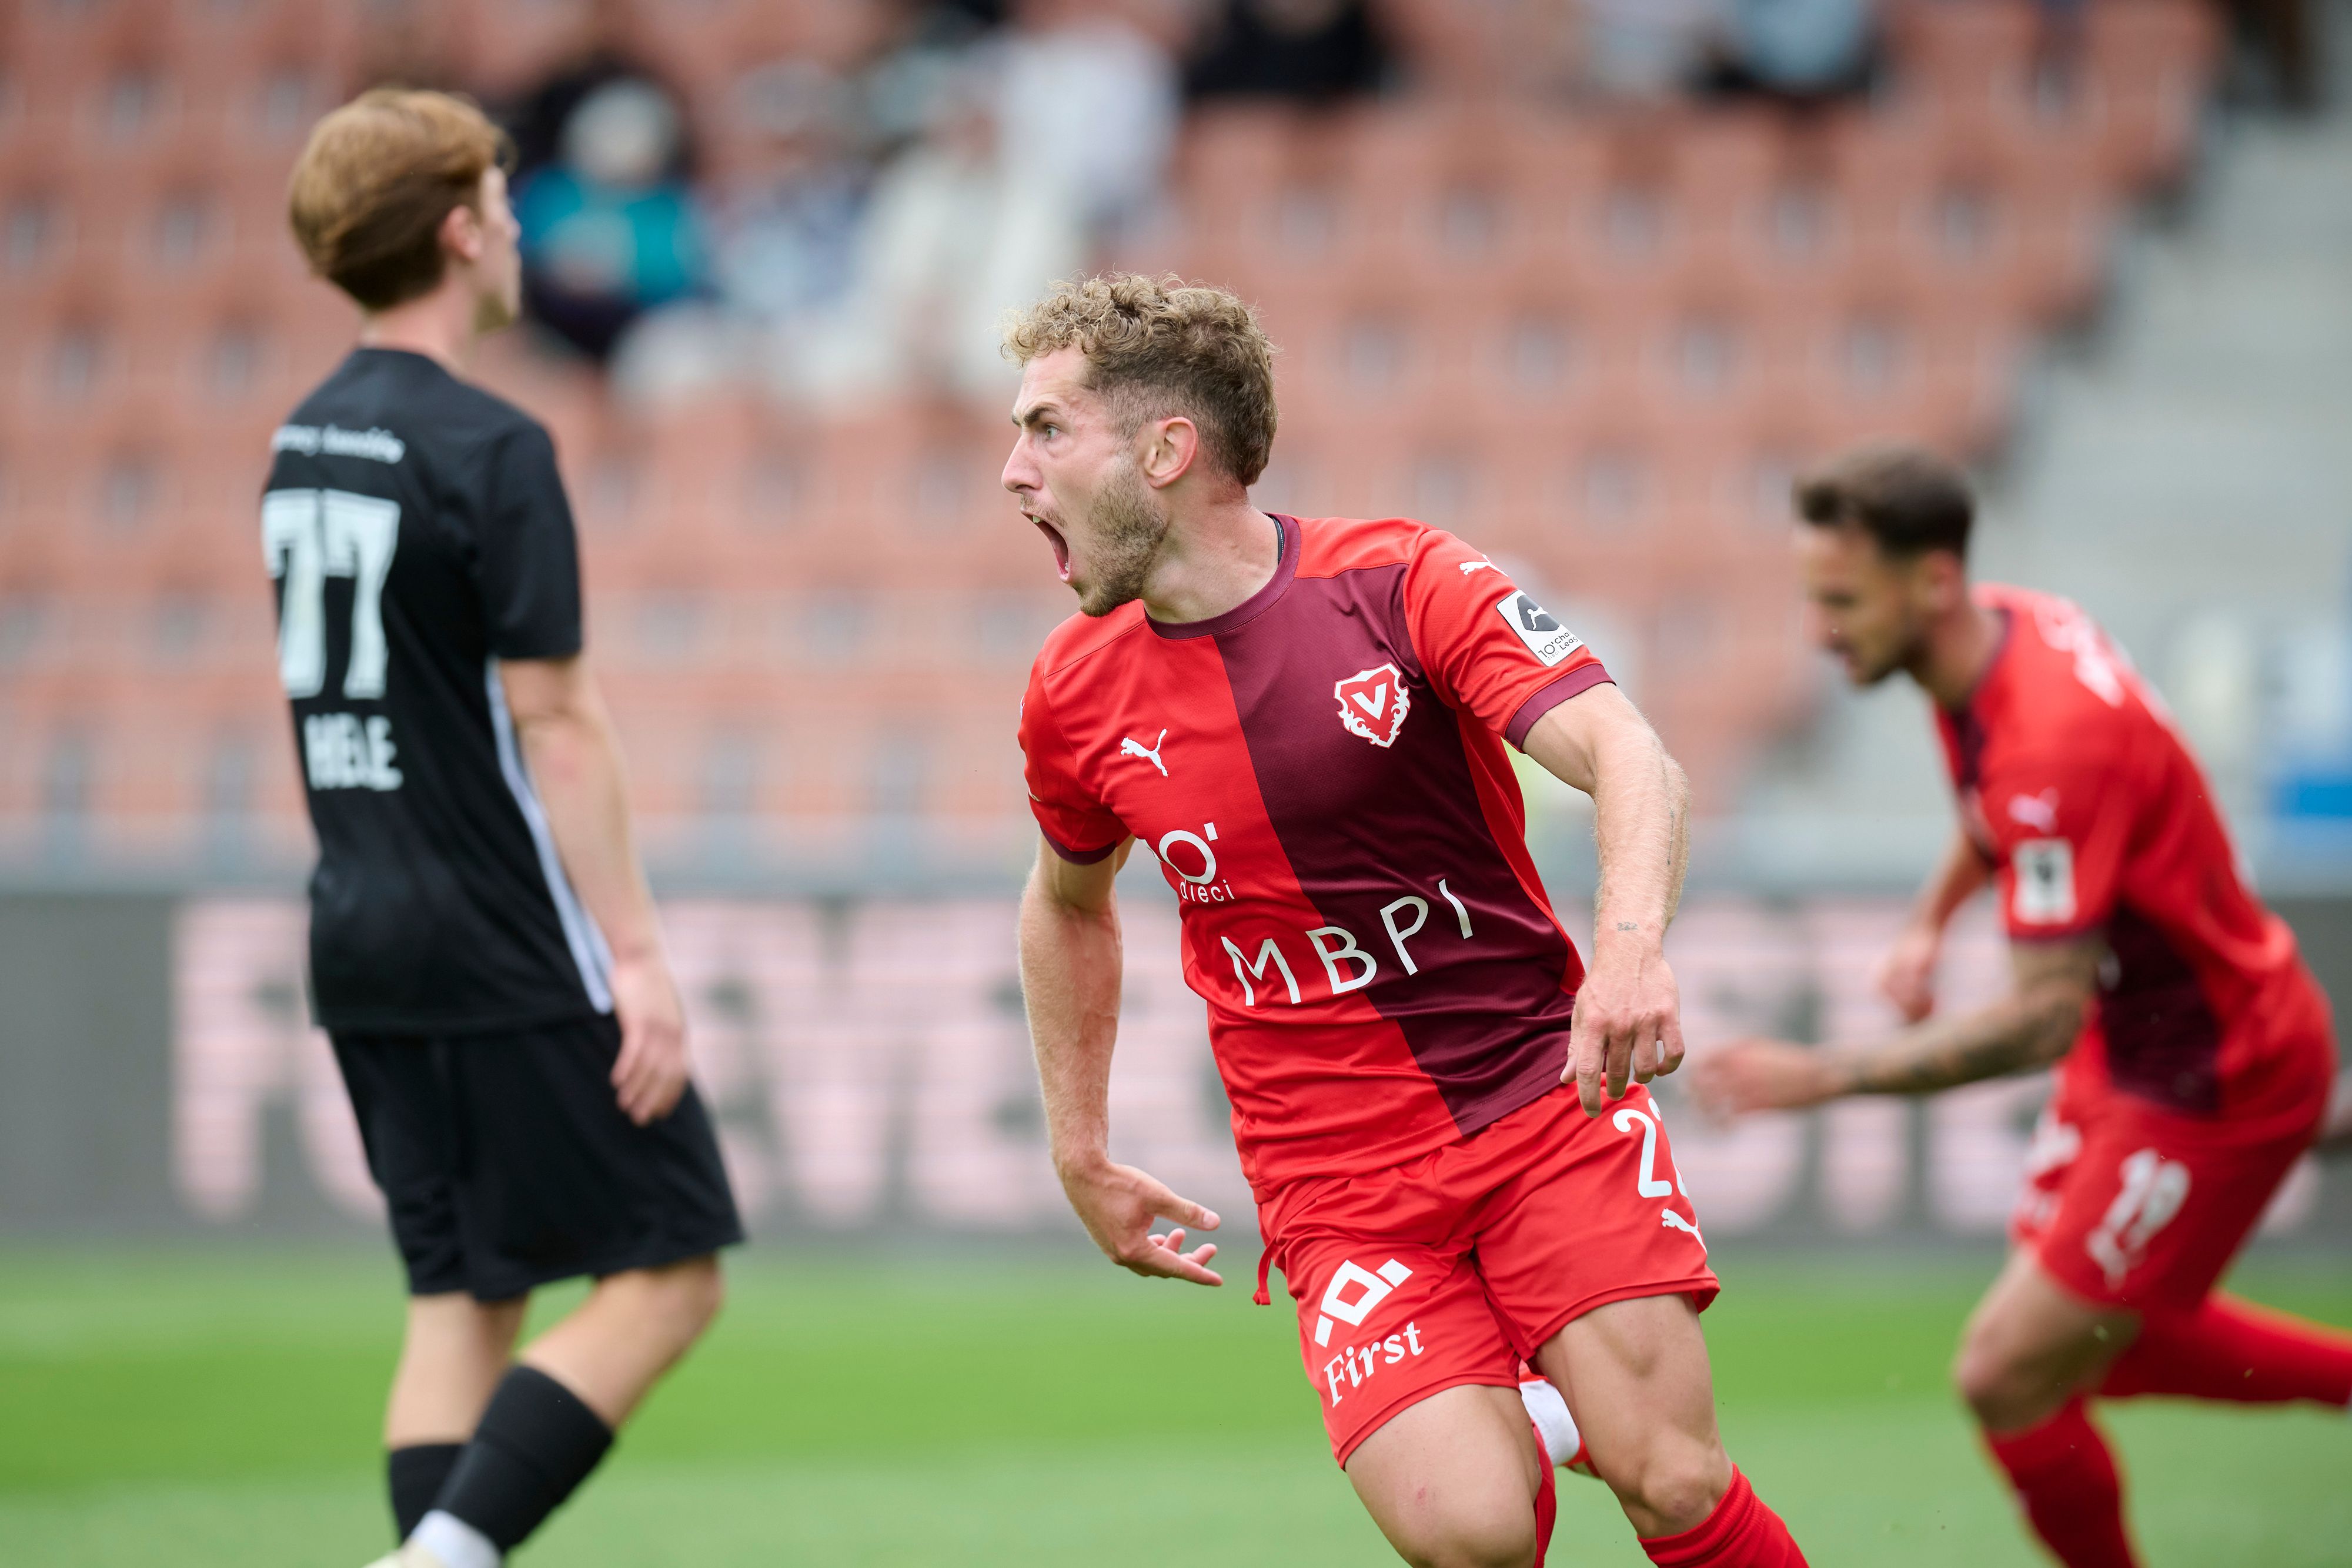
(2153, 1190)
(1650, 1184)
(307, 536)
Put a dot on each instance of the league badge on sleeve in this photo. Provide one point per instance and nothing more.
(2045, 881)
(1373, 703)
(1546, 638)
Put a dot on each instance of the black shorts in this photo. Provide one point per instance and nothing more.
(507, 1162)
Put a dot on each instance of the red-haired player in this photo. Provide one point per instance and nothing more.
(2196, 1051)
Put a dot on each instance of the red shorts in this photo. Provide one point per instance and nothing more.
(2128, 1204)
(1449, 1268)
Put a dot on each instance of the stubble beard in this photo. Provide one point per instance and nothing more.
(1129, 528)
(1909, 658)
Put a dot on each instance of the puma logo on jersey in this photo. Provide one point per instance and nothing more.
(1148, 753)
(1373, 703)
(1482, 564)
(2039, 812)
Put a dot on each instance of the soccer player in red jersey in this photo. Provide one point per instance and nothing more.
(2195, 1050)
(1304, 721)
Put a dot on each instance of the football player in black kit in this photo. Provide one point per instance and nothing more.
(483, 948)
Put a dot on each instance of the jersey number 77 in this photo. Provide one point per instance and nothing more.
(307, 536)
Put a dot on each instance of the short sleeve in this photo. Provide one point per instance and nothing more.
(2060, 828)
(1487, 647)
(527, 559)
(1081, 828)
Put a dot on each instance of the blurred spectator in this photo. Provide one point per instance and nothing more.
(927, 50)
(785, 225)
(597, 56)
(1086, 104)
(1313, 50)
(1800, 51)
(1037, 145)
(609, 228)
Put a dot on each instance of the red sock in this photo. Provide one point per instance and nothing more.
(2066, 1480)
(1547, 1500)
(1741, 1533)
(2232, 1349)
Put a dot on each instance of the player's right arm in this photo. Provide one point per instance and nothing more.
(1070, 976)
(2032, 1027)
(1906, 973)
(2062, 822)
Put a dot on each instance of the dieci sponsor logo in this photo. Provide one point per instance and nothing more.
(1373, 703)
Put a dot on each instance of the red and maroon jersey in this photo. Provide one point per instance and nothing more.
(2073, 784)
(1321, 773)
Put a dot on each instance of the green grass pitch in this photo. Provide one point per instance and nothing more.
(171, 1406)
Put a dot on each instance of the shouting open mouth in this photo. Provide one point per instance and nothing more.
(1061, 545)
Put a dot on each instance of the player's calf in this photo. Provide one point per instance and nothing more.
(551, 1418)
(632, 1327)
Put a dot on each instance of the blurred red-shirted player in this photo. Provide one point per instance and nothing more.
(2196, 1050)
(1306, 722)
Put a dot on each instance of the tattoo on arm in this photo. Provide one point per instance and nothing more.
(2032, 1027)
(2012, 1037)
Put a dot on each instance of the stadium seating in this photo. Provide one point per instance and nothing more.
(1596, 340)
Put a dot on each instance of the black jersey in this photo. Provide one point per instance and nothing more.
(417, 533)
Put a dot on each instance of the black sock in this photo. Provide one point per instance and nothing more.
(416, 1473)
(537, 1441)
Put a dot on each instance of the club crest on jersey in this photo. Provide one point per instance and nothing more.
(1373, 703)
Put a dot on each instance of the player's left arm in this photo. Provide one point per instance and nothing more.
(1493, 653)
(526, 568)
(574, 758)
(1627, 1020)
(2032, 1027)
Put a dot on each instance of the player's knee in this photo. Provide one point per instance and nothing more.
(1990, 1381)
(678, 1302)
(1674, 1487)
(702, 1291)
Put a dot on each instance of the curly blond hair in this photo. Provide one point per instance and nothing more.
(1160, 346)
